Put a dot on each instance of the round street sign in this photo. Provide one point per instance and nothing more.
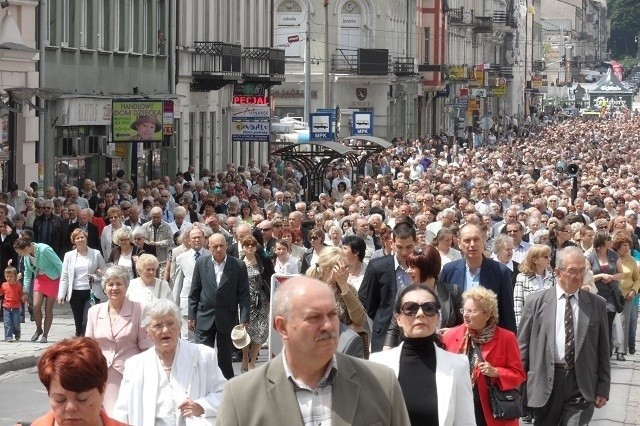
(486, 123)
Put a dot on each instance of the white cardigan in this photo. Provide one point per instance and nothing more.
(455, 397)
(96, 261)
(195, 368)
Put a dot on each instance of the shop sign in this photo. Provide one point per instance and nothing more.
(85, 112)
(137, 121)
(250, 131)
(499, 91)
(458, 72)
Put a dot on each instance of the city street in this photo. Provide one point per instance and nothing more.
(623, 407)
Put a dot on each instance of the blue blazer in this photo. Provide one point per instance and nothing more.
(495, 277)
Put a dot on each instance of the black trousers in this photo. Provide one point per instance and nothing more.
(225, 347)
(78, 304)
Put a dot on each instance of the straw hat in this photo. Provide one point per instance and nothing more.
(240, 337)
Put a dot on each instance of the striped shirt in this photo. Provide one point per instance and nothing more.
(315, 404)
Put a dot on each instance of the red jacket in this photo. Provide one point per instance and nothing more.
(503, 353)
(49, 420)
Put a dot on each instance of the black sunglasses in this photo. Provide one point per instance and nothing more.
(410, 309)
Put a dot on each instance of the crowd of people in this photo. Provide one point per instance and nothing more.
(463, 269)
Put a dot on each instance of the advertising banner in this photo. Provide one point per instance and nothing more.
(136, 121)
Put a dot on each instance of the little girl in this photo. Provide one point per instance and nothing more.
(285, 263)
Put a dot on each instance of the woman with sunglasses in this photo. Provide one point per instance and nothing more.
(535, 275)
(316, 239)
(492, 352)
(423, 267)
(418, 361)
(559, 238)
(259, 270)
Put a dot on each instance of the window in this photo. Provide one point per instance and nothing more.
(85, 22)
(160, 29)
(350, 26)
(148, 27)
(427, 42)
(105, 21)
(50, 31)
(120, 18)
(64, 42)
(290, 21)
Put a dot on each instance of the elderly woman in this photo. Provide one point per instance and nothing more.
(147, 288)
(138, 236)
(607, 273)
(108, 240)
(492, 351)
(444, 243)
(535, 275)
(81, 269)
(334, 236)
(116, 326)
(43, 267)
(331, 269)
(503, 253)
(629, 284)
(126, 253)
(173, 381)
(74, 372)
(424, 269)
(422, 367)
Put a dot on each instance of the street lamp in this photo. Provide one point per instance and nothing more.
(325, 80)
(637, 39)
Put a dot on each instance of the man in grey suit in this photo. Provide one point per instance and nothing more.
(564, 342)
(309, 383)
(219, 287)
(350, 343)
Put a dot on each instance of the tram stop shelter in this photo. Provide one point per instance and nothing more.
(369, 144)
(313, 158)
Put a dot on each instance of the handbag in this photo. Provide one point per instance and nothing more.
(617, 296)
(505, 405)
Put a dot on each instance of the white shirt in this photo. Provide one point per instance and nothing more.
(218, 268)
(560, 306)
(520, 252)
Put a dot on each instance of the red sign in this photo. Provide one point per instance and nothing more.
(251, 100)
(293, 38)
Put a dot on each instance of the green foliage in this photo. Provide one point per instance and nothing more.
(625, 26)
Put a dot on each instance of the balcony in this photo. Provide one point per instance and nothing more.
(505, 18)
(214, 65)
(263, 64)
(460, 17)
(362, 62)
(482, 24)
(404, 67)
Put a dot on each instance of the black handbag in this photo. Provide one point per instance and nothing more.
(618, 298)
(505, 405)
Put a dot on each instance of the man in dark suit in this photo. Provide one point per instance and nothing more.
(382, 280)
(220, 285)
(93, 239)
(66, 224)
(241, 232)
(564, 340)
(474, 270)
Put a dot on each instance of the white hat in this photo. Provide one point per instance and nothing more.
(240, 337)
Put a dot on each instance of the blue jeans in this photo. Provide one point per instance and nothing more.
(11, 323)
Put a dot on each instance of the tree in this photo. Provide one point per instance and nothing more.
(625, 26)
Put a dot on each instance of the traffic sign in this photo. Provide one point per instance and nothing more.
(320, 127)
(486, 123)
(478, 92)
(362, 123)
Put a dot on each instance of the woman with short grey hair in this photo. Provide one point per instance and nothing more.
(147, 288)
(115, 325)
(148, 396)
(126, 253)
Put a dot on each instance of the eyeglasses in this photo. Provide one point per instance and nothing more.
(313, 238)
(410, 309)
(248, 245)
(161, 325)
(575, 272)
(468, 311)
(603, 227)
(47, 208)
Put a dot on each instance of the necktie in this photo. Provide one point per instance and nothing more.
(569, 338)
(196, 255)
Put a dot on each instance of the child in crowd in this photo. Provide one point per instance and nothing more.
(11, 289)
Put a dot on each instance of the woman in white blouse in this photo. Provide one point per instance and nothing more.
(81, 271)
(147, 288)
(285, 263)
(444, 243)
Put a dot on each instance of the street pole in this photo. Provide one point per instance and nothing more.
(325, 81)
(307, 70)
(47, 172)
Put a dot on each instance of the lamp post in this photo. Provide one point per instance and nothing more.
(637, 40)
(325, 80)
